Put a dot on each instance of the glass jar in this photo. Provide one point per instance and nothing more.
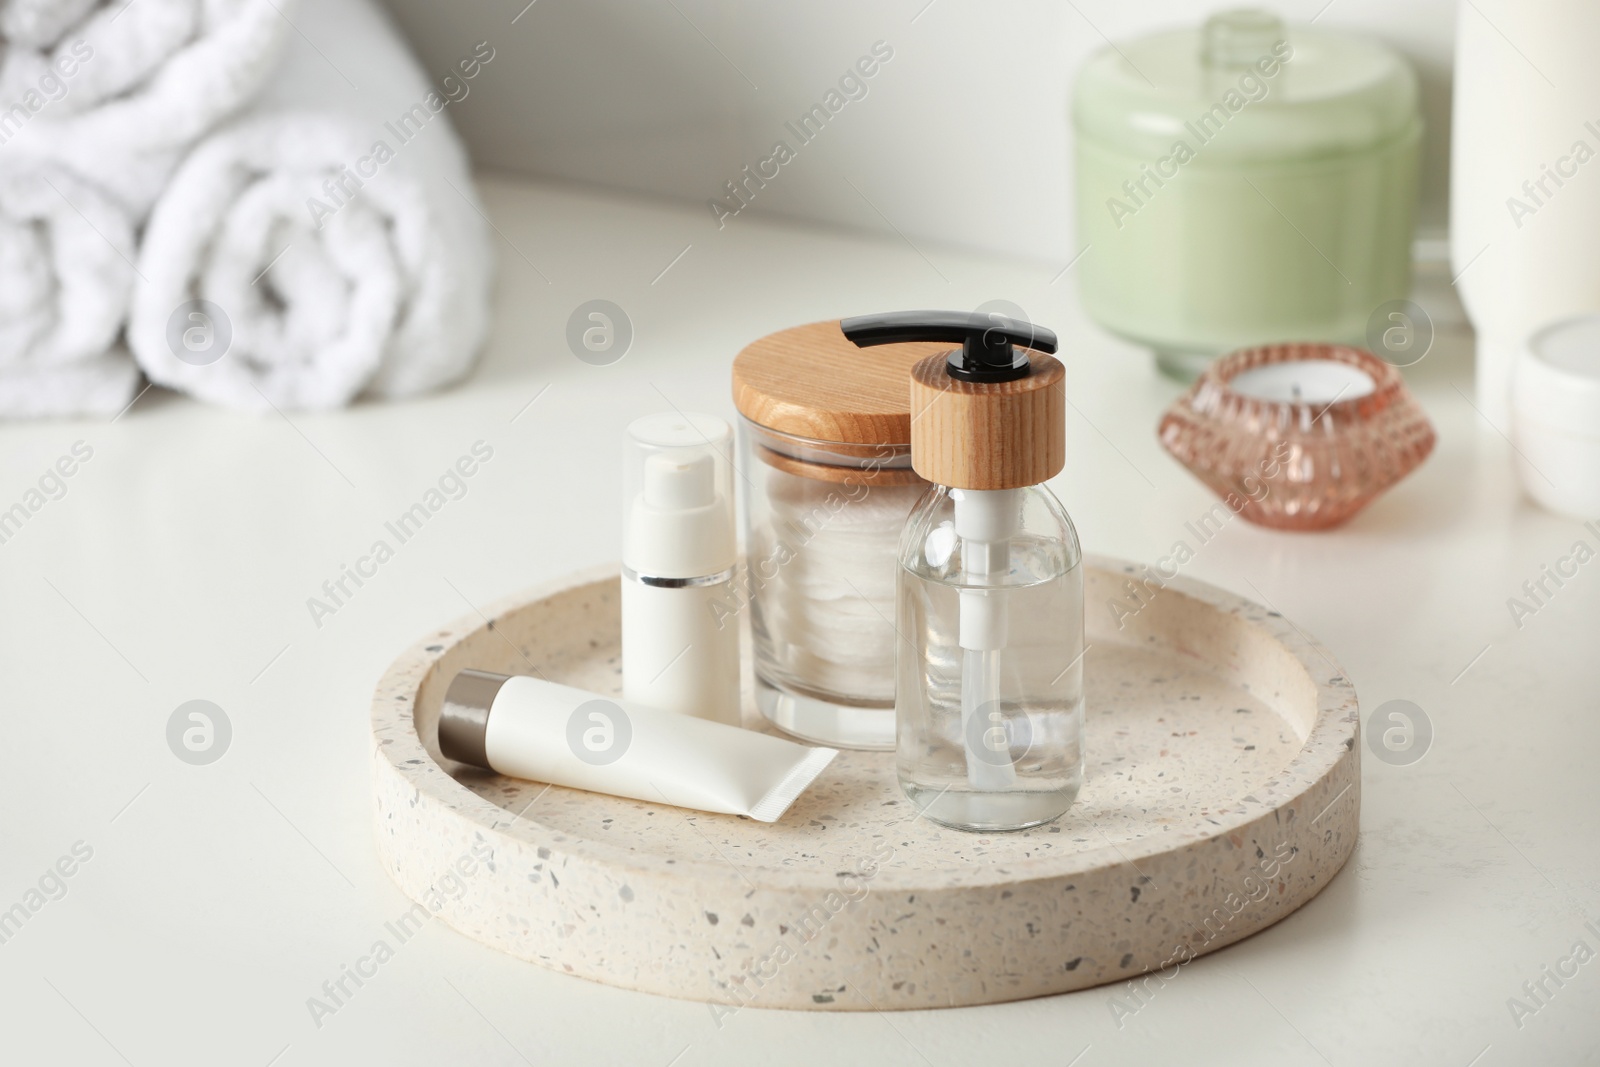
(991, 737)
(1242, 183)
(827, 484)
(823, 522)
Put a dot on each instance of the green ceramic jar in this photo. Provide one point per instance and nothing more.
(1243, 184)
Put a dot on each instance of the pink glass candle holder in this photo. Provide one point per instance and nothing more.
(1298, 436)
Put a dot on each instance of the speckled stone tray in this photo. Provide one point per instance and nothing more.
(1223, 792)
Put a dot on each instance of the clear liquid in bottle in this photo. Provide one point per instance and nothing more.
(990, 738)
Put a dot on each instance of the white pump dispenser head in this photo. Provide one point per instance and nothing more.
(679, 517)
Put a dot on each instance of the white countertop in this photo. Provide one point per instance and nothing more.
(219, 898)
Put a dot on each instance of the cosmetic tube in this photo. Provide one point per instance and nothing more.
(530, 728)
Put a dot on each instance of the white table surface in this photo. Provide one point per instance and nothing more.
(219, 898)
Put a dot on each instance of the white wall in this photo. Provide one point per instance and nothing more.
(963, 136)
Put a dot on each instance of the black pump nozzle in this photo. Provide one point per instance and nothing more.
(993, 347)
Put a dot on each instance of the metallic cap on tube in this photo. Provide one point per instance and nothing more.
(464, 716)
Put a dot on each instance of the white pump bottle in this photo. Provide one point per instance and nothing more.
(680, 633)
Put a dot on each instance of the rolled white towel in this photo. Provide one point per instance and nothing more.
(99, 385)
(66, 274)
(341, 249)
(99, 100)
(117, 92)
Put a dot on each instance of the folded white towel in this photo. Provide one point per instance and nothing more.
(99, 99)
(342, 244)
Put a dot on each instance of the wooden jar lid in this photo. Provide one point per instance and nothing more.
(809, 381)
(990, 435)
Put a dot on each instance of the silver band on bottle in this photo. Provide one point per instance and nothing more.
(677, 583)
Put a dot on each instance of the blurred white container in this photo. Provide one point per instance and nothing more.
(1525, 175)
(1555, 420)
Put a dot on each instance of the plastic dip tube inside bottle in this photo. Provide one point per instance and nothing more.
(530, 728)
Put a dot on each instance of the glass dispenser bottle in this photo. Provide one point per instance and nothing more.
(989, 672)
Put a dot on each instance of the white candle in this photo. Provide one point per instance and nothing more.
(1303, 381)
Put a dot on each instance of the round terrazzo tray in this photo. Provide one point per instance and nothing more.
(1223, 792)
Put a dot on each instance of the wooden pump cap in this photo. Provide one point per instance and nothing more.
(988, 435)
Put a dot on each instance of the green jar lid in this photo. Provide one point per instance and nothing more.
(1243, 88)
